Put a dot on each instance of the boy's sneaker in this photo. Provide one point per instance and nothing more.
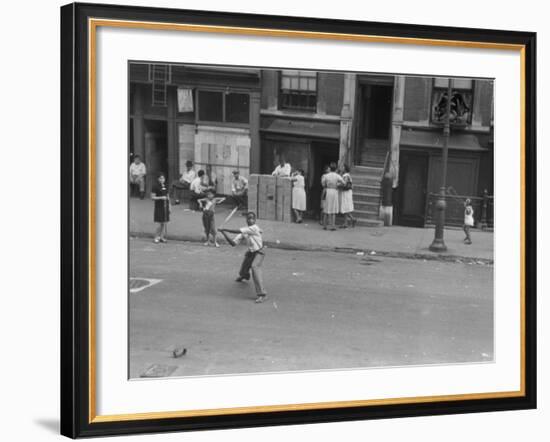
(241, 279)
(260, 299)
(163, 240)
(156, 240)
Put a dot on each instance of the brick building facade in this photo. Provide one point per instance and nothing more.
(224, 118)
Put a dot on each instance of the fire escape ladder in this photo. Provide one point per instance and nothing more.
(159, 75)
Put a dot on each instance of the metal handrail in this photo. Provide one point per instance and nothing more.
(386, 164)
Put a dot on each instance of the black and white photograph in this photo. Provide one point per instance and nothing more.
(286, 220)
(275, 221)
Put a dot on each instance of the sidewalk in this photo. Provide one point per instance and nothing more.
(395, 241)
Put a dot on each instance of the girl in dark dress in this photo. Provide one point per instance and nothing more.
(161, 215)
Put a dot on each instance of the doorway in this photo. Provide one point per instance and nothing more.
(156, 152)
(376, 101)
(413, 176)
(323, 153)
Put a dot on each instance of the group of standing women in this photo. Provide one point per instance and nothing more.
(337, 197)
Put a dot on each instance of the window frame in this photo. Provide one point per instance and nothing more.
(280, 94)
(224, 92)
(435, 88)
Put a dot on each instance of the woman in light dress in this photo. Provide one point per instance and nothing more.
(298, 195)
(331, 181)
(346, 199)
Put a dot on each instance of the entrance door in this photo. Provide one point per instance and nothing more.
(413, 175)
(375, 124)
(156, 152)
(322, 154)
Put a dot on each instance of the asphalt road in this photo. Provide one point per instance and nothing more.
(325, 310)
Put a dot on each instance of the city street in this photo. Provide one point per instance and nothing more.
(325, 310)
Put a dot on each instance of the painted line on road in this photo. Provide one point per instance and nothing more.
(139, 284)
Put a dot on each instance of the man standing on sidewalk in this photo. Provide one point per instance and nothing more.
(239, 189)
(283, 169)
(254, 257)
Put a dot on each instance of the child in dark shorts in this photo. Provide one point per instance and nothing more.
(208, 205)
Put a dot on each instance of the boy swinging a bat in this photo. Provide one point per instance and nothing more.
(254, 257)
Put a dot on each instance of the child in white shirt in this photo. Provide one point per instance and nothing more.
(468, 220)
(254, 257)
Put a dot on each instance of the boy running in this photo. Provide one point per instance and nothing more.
(254, 257)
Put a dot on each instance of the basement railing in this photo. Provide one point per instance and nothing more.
(454, 213)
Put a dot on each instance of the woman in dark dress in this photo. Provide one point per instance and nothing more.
(161, 215)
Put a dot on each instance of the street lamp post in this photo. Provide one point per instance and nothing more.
(438, 244)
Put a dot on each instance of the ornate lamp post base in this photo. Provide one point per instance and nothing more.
(438, 245)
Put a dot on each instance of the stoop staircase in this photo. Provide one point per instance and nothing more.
(367, 180)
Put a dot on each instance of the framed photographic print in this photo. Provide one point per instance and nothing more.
(276, 220)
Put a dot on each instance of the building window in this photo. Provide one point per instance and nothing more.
(461, 101)
(298, 90)
(224, 107)
(210, 106)
(237, 108)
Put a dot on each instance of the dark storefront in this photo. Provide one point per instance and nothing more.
(306, 145)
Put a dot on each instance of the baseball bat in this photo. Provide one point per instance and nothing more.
(228, 217)
(227, 238)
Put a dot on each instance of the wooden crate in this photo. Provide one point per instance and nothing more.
(270, 197)
(280, 199)
(262, 197)
(253, 194)
(286, 200)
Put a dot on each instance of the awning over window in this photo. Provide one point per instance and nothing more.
(416, 138)
(304, 128)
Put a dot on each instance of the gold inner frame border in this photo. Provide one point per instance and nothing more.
(93, 24)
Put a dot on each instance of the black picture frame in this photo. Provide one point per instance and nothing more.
(76, 248)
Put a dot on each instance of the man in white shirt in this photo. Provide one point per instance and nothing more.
(283, 169)
(239, 189)
(198, 189)
(137, 175)
(179, 186)
(254, 256)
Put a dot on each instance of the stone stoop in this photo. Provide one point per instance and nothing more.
(366, 194)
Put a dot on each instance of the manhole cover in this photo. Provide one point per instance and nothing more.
(138, 284)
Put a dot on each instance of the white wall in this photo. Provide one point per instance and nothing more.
(30, 222)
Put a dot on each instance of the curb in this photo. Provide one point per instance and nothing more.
(366, 253)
